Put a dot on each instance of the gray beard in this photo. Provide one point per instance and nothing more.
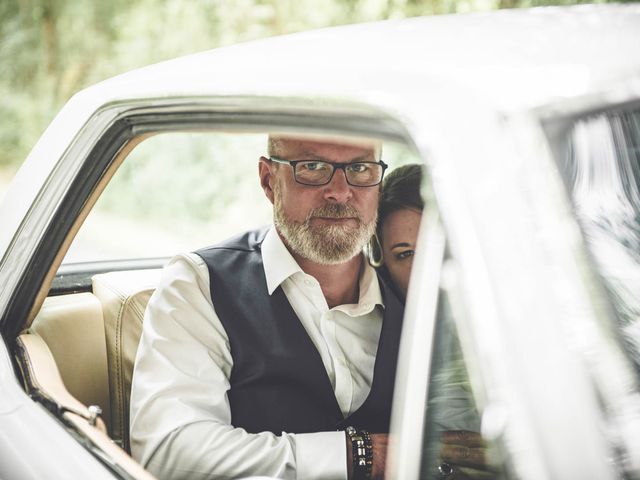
(326, 245)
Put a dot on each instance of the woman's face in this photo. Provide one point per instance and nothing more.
(399, 234)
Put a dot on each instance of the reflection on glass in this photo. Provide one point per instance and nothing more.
(452, 421)
(603, 169)
(450, 393)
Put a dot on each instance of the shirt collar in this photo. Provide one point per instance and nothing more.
(278, 263)
(370, 293)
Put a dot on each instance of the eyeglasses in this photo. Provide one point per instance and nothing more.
(318, 172)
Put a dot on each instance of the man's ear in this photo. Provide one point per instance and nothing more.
(267, 177)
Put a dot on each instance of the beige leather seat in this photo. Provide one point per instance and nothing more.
(124, 297)
(73, 329)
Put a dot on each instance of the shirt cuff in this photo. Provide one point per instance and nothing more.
(321, 455)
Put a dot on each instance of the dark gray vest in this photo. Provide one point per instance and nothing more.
(278, 381)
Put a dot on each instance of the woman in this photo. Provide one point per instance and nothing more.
(399, 213)
(455, 418)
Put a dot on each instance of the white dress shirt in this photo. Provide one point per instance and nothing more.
(180, 414)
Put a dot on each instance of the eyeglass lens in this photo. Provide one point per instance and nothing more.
(319, 173)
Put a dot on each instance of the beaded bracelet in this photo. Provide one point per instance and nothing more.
(362, 450)
(368, 452)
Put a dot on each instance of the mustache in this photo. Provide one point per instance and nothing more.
(335, 210)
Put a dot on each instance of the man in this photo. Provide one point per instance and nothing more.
(257, 354)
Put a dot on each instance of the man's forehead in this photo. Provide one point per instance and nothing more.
(337, 148)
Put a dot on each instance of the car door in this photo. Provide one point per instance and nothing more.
(528, 259)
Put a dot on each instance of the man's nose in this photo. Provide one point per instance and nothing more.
(338, 190)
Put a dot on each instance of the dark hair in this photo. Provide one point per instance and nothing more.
(400, 190)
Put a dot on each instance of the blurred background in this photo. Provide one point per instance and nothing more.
(50, 49)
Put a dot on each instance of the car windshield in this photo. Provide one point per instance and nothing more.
(602, 171)
(599, 160)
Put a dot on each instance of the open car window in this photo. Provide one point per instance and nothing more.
(172, 193)
(176, 192)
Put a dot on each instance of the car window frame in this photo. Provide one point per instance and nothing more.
(47, 230)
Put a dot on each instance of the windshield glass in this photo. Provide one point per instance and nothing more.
(602, 171)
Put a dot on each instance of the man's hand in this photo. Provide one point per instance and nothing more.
(465, 453)
(379, 442)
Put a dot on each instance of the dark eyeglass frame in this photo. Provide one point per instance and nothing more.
(335, 166)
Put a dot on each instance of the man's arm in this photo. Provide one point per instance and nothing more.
(180, 414)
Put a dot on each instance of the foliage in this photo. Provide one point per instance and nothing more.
(50, 49)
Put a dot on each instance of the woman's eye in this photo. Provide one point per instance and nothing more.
(404, 254)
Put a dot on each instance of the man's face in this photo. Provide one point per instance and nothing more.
(327, 224)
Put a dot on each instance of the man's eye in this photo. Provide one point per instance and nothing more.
(358, 167)
(404, 254)
(314, 166)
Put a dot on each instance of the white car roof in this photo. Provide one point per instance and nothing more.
(512, 58)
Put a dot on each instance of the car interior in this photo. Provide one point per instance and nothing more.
(80, 348)
(76, 354)
(77, 358)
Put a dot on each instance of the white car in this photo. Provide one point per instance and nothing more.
(528, 124)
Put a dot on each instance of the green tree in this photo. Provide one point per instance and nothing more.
(50, 49)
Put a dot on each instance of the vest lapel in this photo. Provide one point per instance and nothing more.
(286, 313)
(375, 412)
